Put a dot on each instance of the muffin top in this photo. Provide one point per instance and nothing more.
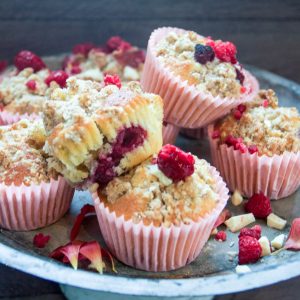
(261, 126)
(116, 56)
(172, 187)
(21, 155)
(210, 65)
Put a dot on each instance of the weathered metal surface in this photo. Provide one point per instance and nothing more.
(210, 274)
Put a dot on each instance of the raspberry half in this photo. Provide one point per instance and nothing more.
(31, 85)
(249, 250)
(27, 59)
(83, 49)
(221, 236)
(112, 80)
(60, 77)
(224, 51)
(117, 43)
(175, 163)
(259, 205)
(254, 231)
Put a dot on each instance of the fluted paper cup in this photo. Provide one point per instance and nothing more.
(156, 249)
(7, 117)
(184, 105)
(170, 133)
(26, 208)
(277, 176)
(196, 134)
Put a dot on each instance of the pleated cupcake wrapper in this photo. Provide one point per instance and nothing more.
(184, 104)
(154, 248)
(7, 117)
(197, 133)
(25, 208)
(170, 133)
(277, 176)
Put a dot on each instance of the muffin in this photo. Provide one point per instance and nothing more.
(199, 78)
(96, 132)
(158, 216)
(23, 90)
(257, 147)
(32, 194)
(117, 56)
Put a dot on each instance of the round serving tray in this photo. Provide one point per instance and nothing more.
(212, 273)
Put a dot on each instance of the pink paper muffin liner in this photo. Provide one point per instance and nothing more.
(277, 176)
(7, 117)
(156, 249)
(169, 133)
(30, 207)
(184, 105)
(196, 134)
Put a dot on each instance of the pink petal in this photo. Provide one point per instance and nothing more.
(92, 251)
(293, 240)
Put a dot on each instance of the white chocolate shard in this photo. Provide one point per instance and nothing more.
(276, 222)
(265, 246)
(236, 198)
(278, 241)
(242, 269)
(236, 223)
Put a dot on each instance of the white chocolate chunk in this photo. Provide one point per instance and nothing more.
(276, 222)
(236, 198)
(130, 73)
(265, 246)
(278, 241)
(242, 269)
(236, 223)
(214, 231)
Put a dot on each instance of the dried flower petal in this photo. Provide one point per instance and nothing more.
(40, 240)
(109, 256)
(293, 240)
(225, 214)
(86, 209)
(92, 251)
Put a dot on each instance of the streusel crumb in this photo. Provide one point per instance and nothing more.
(264, 124)
(21, 156)
(146, 194)
(177, 52)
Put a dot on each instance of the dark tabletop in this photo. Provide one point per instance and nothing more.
(266, 33)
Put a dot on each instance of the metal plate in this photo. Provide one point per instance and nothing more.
(212, 273)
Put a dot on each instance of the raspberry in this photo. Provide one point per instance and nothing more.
(27, 59)
(221, 236)
(252, 149)
(242, 108)
(254, 231)
(265, 103)
(224, 51)
(117, 43)
(240, 76)
(216, 134)
(249, 250)
(259, 205)
(237, 114)
(243, 90)
(175, 163)
(31, 85)
(112, 79)
(204, 54)
(60, 77)
(230, 140)
(132, 58)
(3, 65)
(241, 146)
(83, 49)
(75, 70)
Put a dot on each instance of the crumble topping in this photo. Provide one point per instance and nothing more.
(271, 128)
(145, 193)
(177, 52)
(21, 155)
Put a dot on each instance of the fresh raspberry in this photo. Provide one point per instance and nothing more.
(203, 54)
(27, 59)
(117, 43)
(221, 236)
(242, 108)
(60, 77)
(112, 79)
(240, 76)
(230, 140)
(31, 85)
(3, 65)
(237, 114)
(216, 134)
(175, 163)
(265, 103)
(254, 231)
(225, 51)
(83, 49)
(249, 250)
(75, 70)
(259, 205)
(252, 149)
(241, 146)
